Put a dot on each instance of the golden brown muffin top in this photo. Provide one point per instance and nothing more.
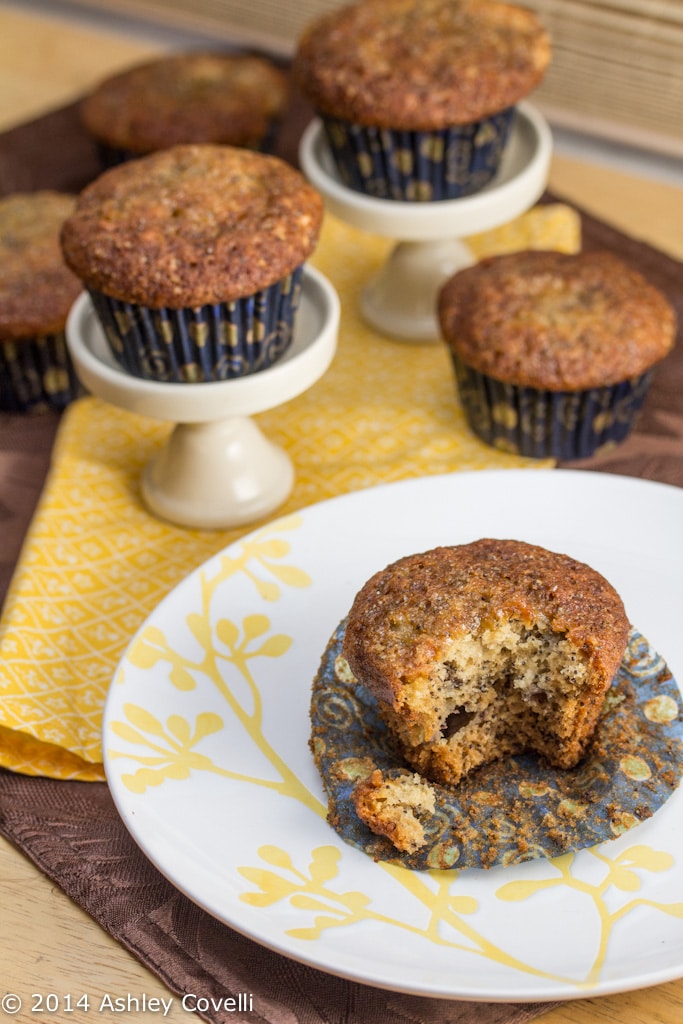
(192, 225)
(36, 288)
(187, 98)
(406, 616)
(420, 64)
(556, 321)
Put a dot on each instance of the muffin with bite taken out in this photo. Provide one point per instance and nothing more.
(481, 650)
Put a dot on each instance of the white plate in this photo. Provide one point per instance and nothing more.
(206, 751)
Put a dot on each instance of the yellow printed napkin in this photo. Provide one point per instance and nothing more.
(95, 563)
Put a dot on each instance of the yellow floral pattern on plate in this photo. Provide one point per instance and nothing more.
(168, 751)
(443, 896)
(169, 747)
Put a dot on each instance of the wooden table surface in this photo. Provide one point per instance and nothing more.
(48, 945)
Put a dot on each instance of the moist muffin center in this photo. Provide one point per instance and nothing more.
(508, 687)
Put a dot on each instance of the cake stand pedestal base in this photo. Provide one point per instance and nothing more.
(217, 469)
(238, 474)
(401, 301)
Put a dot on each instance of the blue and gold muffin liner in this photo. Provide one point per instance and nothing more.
(518, 808)
(36, 374)
(418, 166)
(214, 342)
(538, 423)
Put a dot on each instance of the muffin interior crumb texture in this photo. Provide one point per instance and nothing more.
(395, 807)
(512, 687)
(515, 808)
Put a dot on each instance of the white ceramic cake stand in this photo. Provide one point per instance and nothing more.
(401, 300)
(217, 469)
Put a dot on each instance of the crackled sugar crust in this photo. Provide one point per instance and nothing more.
(556, 321)
(36, 287)
(192, 225)
(420, 64)
(479, 651)
(187, 98)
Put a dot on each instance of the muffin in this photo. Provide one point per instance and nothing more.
(482, 650)
(36, 292)
(513, 809)
(553, 353)
(417, 96)
(193, 258)
(228, 98)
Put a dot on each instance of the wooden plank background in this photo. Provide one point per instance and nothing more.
(617, 70)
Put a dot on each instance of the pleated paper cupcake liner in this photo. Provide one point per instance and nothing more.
(538, 423)
(36, 374)
(415, 165)
(219, 341)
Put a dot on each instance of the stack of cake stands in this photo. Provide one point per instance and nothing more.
(217, 469)
(401, 299)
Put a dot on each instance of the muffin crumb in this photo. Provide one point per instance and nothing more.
(395, 807)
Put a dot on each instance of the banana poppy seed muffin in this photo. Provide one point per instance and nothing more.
(513, 809)
(193, 257)
(478, 651)
(198, 97)
(37, 290)
(417, 96)
(553, 353)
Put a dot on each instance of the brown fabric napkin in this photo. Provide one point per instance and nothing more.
(72, 831)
